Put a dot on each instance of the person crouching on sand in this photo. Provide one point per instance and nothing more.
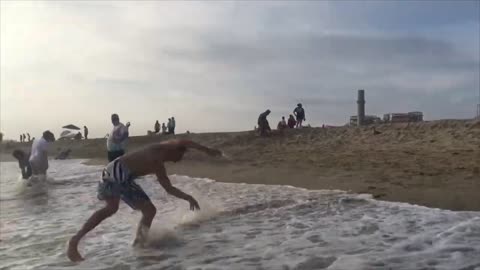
(263, 126)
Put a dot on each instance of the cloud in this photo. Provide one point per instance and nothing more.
(217, 65)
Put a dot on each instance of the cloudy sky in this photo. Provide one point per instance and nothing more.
(216, 65)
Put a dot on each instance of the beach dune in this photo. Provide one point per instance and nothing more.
(435, 164)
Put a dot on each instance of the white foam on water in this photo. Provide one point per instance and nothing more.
(240, 226)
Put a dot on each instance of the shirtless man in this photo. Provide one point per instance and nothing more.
(118, 183)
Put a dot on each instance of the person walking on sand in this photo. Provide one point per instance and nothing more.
(118, 183)
(117, 138)
(263, 126)
(85, 132)
(39, 153)
(157, 127)
(299, 112)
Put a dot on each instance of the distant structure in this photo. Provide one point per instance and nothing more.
(361, 107)
(403, 117)
(361, 119)
(367, 120)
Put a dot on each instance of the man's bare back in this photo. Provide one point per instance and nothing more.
(118, 183)
(151, 159)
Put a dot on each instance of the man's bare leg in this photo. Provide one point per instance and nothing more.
(96, 218)
(148, 213)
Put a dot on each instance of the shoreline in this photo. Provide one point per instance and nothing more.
(434, 164)
(432, 197)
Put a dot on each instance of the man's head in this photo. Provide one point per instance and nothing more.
(115, 119)
(268, 112)
(283, 117)
(18, 154)
(48, 136)
(299, 105)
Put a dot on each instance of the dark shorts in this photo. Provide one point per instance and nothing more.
(117, 181)
(112, 155)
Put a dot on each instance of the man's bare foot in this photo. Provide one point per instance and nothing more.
(72, 251)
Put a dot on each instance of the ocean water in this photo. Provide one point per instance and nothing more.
(240, 226)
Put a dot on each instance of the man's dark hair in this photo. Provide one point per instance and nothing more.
(48, 135)
(18, 153)
(115, 116)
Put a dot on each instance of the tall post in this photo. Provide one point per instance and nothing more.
(361, 107)
(478, 105)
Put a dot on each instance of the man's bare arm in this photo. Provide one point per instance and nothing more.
(170, 189)
(194, 145)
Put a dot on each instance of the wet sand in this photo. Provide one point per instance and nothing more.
(435, 164)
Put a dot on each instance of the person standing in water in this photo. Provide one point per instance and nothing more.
(23, 163)
(39, 153)
(117, 138)
(118, 183)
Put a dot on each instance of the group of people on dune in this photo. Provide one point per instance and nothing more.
(166, 129)
(264, 127)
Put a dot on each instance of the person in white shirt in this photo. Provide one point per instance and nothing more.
(117, 138)
(39, 154)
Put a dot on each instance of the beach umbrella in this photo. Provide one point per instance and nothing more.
(71, 127)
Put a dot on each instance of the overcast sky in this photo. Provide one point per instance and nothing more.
(216, 65)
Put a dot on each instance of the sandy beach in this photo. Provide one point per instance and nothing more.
(435, 164)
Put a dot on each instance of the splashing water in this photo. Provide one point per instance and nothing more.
(240, 226)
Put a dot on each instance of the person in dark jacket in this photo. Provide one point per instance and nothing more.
(263, 126)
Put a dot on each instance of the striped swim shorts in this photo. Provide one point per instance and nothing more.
(117, 181)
